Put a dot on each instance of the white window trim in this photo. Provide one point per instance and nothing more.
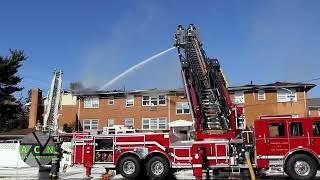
(91, 99)
(158, 118)
(127, 101)
(263, 98)
(91, 124)
(154, 95)
(286, 93)
(109, 123)
(128, 119)
(236, 94)
(111, 99)
(182, 108)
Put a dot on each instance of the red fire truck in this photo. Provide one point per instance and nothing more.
(219, 141)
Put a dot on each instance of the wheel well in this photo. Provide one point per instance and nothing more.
(305, 153)
(158, 154)
(126, 155)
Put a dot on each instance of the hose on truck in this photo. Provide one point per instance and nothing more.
(253, 176)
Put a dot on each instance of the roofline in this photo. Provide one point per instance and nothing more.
(151, 91)
(256, 87)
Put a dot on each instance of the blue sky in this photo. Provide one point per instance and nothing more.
(93, 41)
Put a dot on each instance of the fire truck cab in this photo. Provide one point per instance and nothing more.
(288, 144)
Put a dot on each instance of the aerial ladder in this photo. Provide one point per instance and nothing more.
(212, 110)
(50, 123)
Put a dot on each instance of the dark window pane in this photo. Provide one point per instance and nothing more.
(316, 128)
(276, 129)
(296, 129)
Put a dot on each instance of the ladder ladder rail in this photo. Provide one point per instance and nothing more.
(206, 78)
(51, 116)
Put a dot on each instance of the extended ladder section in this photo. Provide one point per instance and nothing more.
(204, 82)
(50, 123)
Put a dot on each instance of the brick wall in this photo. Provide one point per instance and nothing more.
(119, 111)
(36, 109)
(314, 112)
(255, 108)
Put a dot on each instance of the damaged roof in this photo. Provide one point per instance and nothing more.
(276, 85)
(91, 92)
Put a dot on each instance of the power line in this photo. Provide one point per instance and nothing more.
(314, 79)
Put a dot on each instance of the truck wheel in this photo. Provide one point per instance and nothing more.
(129, 167)
(301, 166)
(158, 167)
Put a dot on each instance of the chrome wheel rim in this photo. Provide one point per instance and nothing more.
(129, 167)
(157, 168)
(302, 168)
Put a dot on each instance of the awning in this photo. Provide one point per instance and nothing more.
(180, 123)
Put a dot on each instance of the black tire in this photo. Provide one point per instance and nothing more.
(163, 163)
(290, 167)
(133, 161)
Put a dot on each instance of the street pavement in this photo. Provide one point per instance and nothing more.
(78, 172)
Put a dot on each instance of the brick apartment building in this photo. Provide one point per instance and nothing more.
(155, 109)
(142, 110)
(314, 107)
(278, 98)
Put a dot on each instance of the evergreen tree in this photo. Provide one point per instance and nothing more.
(12, 112)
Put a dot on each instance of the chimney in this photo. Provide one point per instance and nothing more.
(35, 112)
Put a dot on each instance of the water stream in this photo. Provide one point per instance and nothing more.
(135, 67)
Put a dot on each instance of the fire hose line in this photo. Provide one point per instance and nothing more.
(253, 176)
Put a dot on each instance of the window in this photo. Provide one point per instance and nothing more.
(129, 100)
(145, 123)
(162, 99)
(157, 100)
(154, 123)
(182, 108)
(261, 95)
(110, 122)
(296, 129)
(276, 129)
(238, 97)
(129, 122)
(162, 123)
(90, 124)
(316, 128)
(284, 95)
(91, 102)
(111, 100)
